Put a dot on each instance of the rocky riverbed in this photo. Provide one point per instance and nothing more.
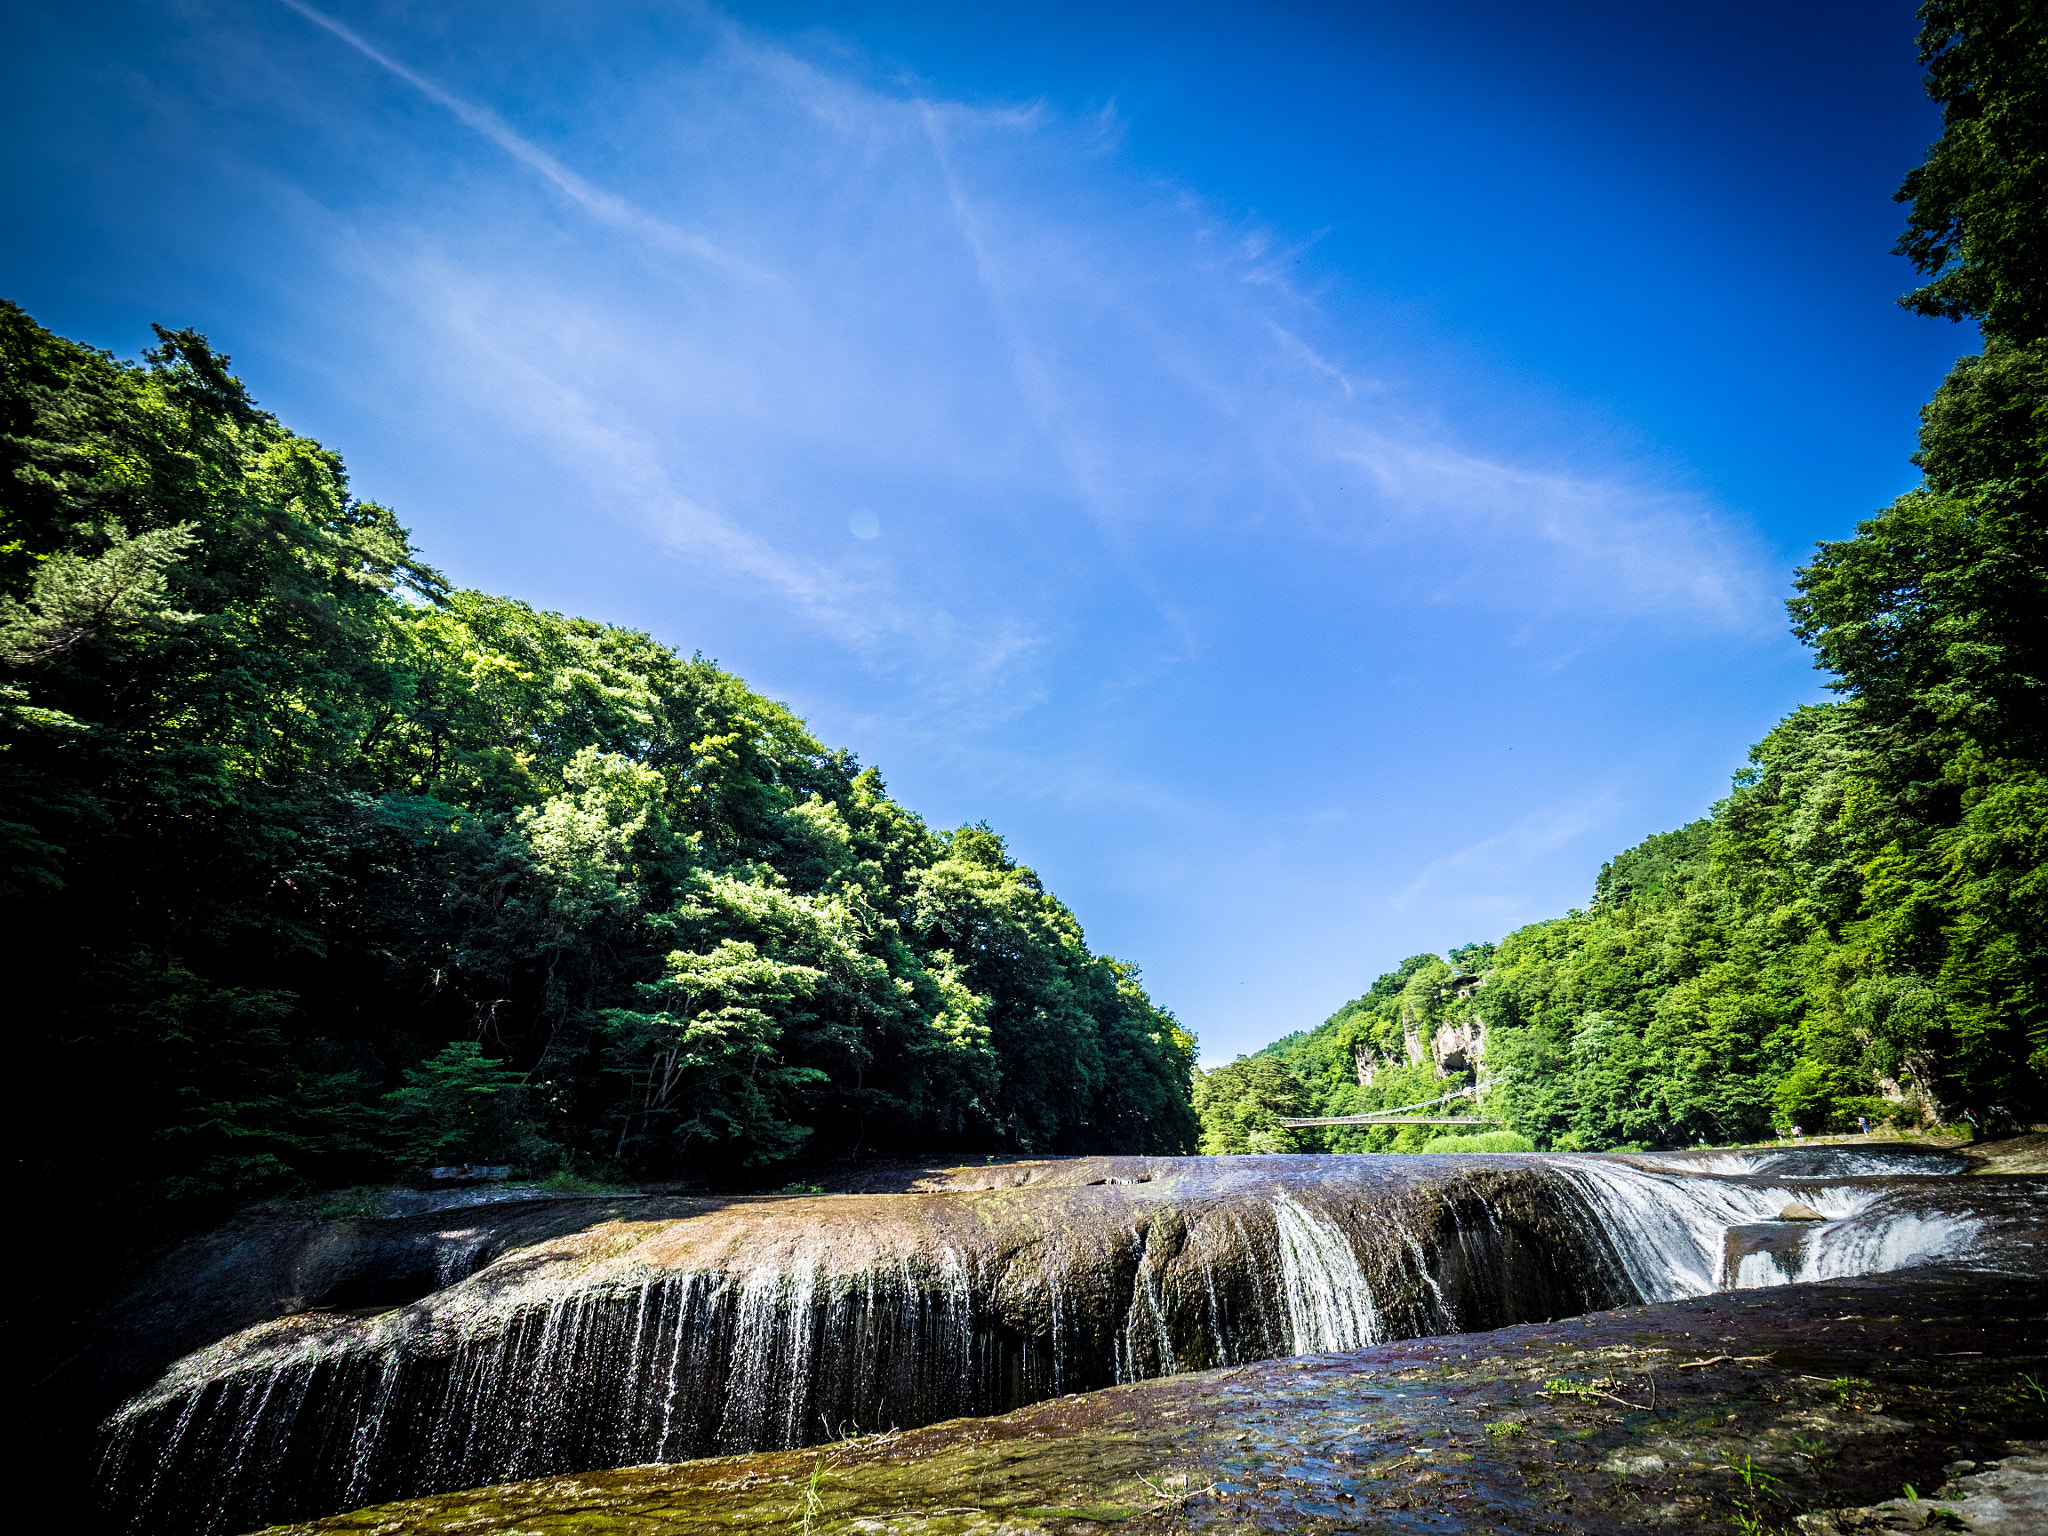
(293, 1365)
(1737, 1411)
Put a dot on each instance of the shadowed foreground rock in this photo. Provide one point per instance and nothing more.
(1735, 1411)
(2007, 1497)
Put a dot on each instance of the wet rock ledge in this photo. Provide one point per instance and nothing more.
(1803, 1408)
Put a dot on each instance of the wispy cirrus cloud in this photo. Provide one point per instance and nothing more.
(1597, 544)
(978, 309)
(601, 205)
(1485, 879)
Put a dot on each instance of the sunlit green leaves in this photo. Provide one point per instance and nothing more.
(265, 779)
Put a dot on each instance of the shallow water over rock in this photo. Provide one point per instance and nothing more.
(680, 1328)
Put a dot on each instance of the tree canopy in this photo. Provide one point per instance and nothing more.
(314, 868)
(1978, 205)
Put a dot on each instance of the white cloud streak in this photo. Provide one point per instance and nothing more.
(1056, 379)
(601, 205)
(1634, 549)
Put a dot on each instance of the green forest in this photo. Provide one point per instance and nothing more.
(318, 871)
(1860, 929)
(315, 870)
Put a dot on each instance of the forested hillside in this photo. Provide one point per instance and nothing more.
(1861, 927)
(316, 870)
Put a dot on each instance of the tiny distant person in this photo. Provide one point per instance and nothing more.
(1864, 1121)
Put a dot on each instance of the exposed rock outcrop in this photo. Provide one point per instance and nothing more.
(1622, 1423)
(679, 1328)
(2007, 1496)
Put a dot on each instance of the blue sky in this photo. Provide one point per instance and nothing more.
(1320, 480)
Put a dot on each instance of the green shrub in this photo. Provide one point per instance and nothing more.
(1485, 1141)
(463, 1106)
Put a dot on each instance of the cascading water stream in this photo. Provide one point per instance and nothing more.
(750, 1332)
(1327, 1296)
(1670, 1232)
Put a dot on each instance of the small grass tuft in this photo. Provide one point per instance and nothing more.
(1564, 1386)
(1758, 1485)
(350, 1205)
(813, 1502)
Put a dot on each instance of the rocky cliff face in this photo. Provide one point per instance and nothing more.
(1448, 1032)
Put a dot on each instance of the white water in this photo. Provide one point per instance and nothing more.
(1818, 1163)
(1145, 1347)
(1670, 1231)
(771, 1351)
(1329, 1301)
(1836, 1251)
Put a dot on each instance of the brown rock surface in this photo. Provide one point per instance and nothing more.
(1721, 1413)
(2014, 1154)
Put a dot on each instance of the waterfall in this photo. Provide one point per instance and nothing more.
(760, 1326)
(771, 1348)
(1821, 1162)
(1328, 1300)
(1666, 1230)
(1906, 1238)
(1145, 1348)
(1677, 1234)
